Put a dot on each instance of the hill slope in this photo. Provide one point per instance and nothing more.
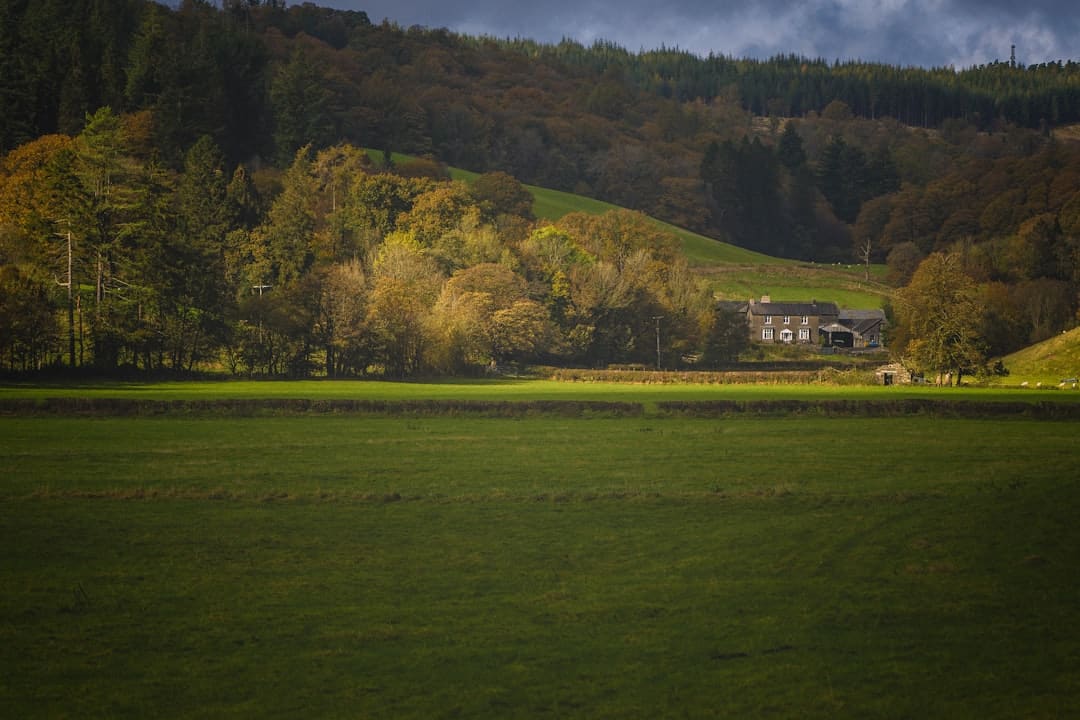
(1047, 362)
(733, 272)
(551, 204)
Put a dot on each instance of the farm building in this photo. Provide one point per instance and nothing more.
(893, 374)
(788, 322)
(854, 329)
(817, 323)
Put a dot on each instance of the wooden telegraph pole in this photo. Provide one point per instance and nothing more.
(70, 297)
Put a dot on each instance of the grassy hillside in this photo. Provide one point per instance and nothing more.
(551, 204)
(842, 284)
(1047, 362)
(699, 250)
(733, 272)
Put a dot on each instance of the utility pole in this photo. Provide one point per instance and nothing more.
(658, 318)
(70, 297)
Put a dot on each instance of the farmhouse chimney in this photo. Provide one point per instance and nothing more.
(766, 299)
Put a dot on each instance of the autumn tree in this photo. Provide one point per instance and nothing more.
(728, 336)
(337, 238)
(406, 285)
(521, 332)
(459, 328)
(341, 321)
(941, 315)
(501, 194)
(484, 314)
(902, 262)
(28, 321)
(376, 202)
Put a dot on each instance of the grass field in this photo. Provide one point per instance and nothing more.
(352, 566)
(514, 390)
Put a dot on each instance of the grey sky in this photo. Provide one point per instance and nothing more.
(927, 33)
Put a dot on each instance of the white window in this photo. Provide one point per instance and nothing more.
(768, 319)
(804, 334)
(786, 335)
(805, 320)
(766, 333)
(787, 319)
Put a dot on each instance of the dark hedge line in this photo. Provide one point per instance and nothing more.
(251, 407)
(694, 377)
(873, 408)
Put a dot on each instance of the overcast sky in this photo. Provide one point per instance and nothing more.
(926, 33)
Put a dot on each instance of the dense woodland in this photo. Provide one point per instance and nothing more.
(203, 164)
(339, 267)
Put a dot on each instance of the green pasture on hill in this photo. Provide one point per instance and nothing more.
(733, 272)
(1048, 362)
(540, 566)
(840, 284)
(551, 204)
(699, 250)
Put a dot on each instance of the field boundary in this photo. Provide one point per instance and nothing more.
(948, 408)
(255, 407)
(270, 407)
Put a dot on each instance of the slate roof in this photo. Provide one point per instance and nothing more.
(848, 314)
(864, 326)
(861, 321)
(813, 308)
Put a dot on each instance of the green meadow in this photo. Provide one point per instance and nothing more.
(653, 388)
(393, 566)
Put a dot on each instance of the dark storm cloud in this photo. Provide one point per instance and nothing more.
(904, 32)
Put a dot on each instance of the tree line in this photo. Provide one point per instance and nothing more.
(338, 265)
(792, 85)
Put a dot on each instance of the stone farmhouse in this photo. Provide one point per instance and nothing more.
(814, 323)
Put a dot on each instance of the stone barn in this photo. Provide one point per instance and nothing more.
(893, 374)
